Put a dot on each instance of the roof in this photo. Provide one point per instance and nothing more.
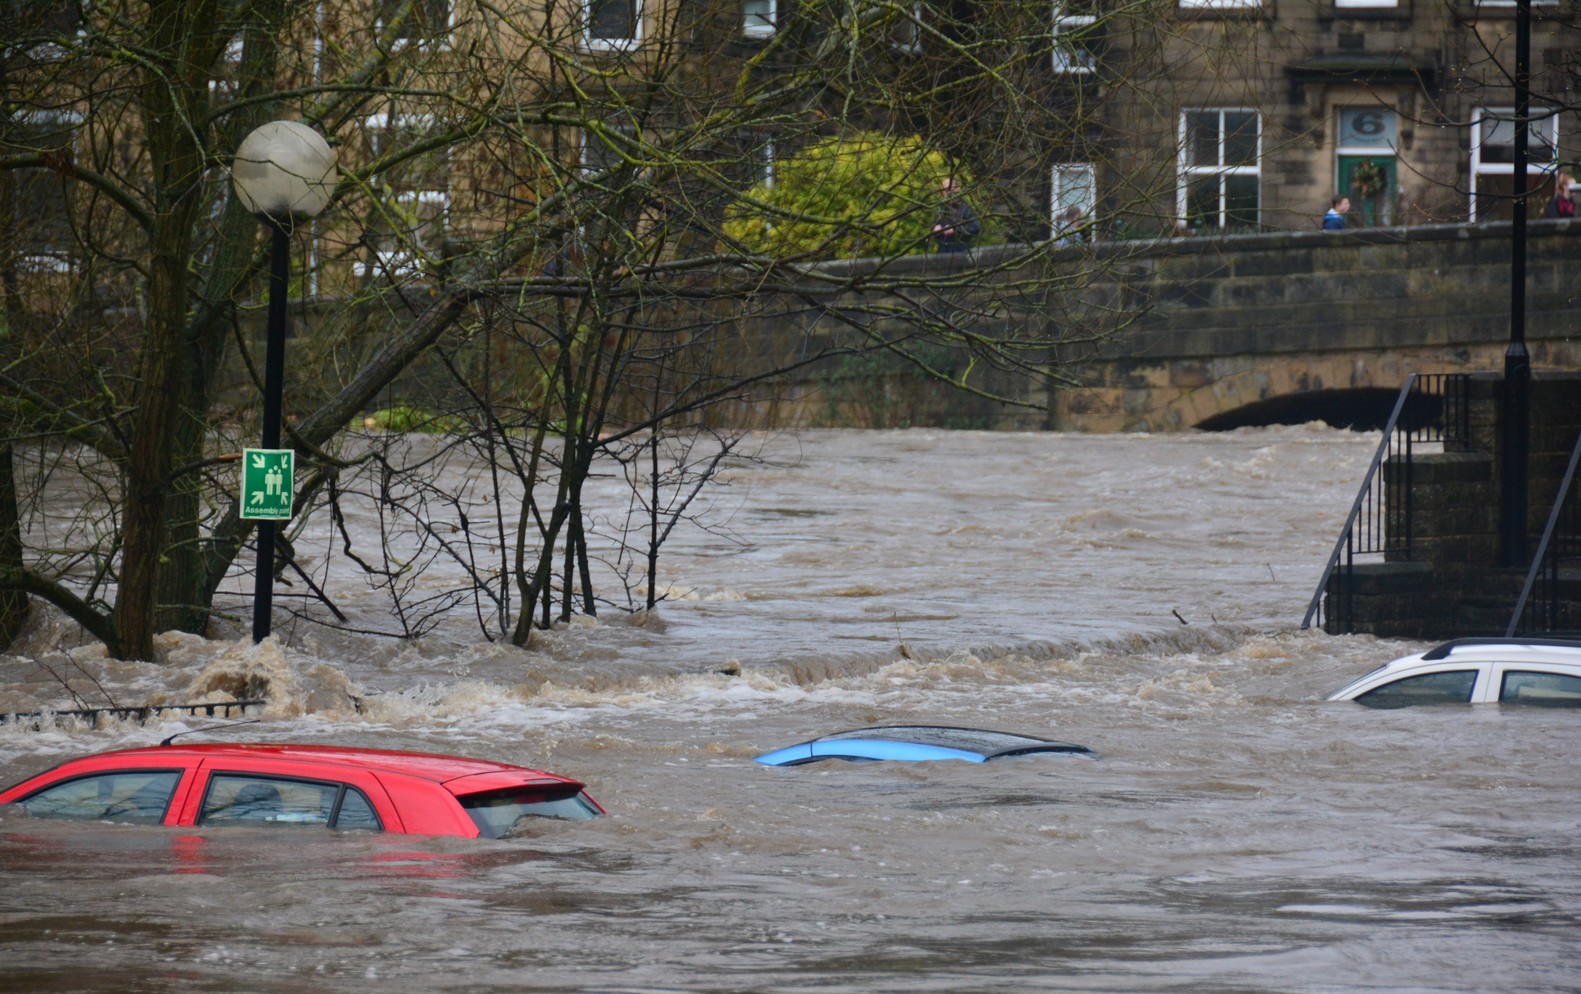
(917, 743)
(425, 766)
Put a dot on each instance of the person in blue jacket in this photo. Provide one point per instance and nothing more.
(1334, 220)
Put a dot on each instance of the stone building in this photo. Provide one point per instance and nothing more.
(1251, 114)
(1146, 116)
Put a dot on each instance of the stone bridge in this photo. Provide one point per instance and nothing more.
(1288, 328)
(1165, 334)
(1268, 328)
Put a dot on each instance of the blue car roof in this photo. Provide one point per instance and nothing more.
(919, 743)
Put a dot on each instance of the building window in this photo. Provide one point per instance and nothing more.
(760, 161)
(757, 18)
(1073, 195)
(409, 222)
(40, 32)
(1366, 4)
(425, 22)
(1220, 175)
(48, 21)
(1221, 4)
(1365, 167)
(611, 24)
(900, 23)
(1073, 31)
(44, 237)
(1493, 131)
(908, 33)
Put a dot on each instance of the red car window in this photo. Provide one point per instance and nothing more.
(136, 796)
(497, 812)
(235, 799)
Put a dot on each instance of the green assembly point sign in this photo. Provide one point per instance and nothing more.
(267, 484)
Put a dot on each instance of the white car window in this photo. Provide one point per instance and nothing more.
(1443, 687)
(1545, 689)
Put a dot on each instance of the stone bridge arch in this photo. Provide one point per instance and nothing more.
(1258, 329)
(1354, 389)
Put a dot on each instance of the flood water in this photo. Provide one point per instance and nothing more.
(1140, 595)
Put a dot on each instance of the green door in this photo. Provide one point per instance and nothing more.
(1369, 181)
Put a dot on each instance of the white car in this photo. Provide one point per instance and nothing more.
(1545, 672)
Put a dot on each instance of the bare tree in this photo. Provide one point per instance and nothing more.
(529, 238)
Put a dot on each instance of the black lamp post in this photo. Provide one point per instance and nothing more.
(284, 174)
(1514, 420)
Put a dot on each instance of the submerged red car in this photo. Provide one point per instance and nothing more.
(376, 790)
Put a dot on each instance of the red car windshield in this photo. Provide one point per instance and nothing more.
(496, 812)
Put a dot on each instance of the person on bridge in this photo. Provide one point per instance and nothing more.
(1070, 231)
(1334, 220)
(1562, 203)
(958, 226)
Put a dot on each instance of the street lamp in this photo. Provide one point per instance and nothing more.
(1515, 415)
(284, 174)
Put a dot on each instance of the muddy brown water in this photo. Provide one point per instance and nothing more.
(1137, 594)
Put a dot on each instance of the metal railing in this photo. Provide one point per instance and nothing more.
(1541, 604)
(1431, 407)
(139, 714)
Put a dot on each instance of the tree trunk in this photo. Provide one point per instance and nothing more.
(13, 603)
(174, 92)
(186, 594)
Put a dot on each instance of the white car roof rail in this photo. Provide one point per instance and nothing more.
(1443, 651)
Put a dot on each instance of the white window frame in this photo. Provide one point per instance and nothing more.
(1366, 4)
(438, 41)
(1060, 183)
(764, 163)
(1067, 59)
(762, 23)
(912, 44)
(1189, 170)
(1539, 119)
(65, 119)
(1510, 4)
(591, 44)
(402, 261)
(311, 272)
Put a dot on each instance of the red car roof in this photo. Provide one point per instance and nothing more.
(425, 766)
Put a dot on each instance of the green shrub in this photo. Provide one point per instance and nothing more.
(404, 418)
(862, 195)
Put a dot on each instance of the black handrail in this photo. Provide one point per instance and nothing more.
(1555, 545)
(1376, 507)
(140, 713)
